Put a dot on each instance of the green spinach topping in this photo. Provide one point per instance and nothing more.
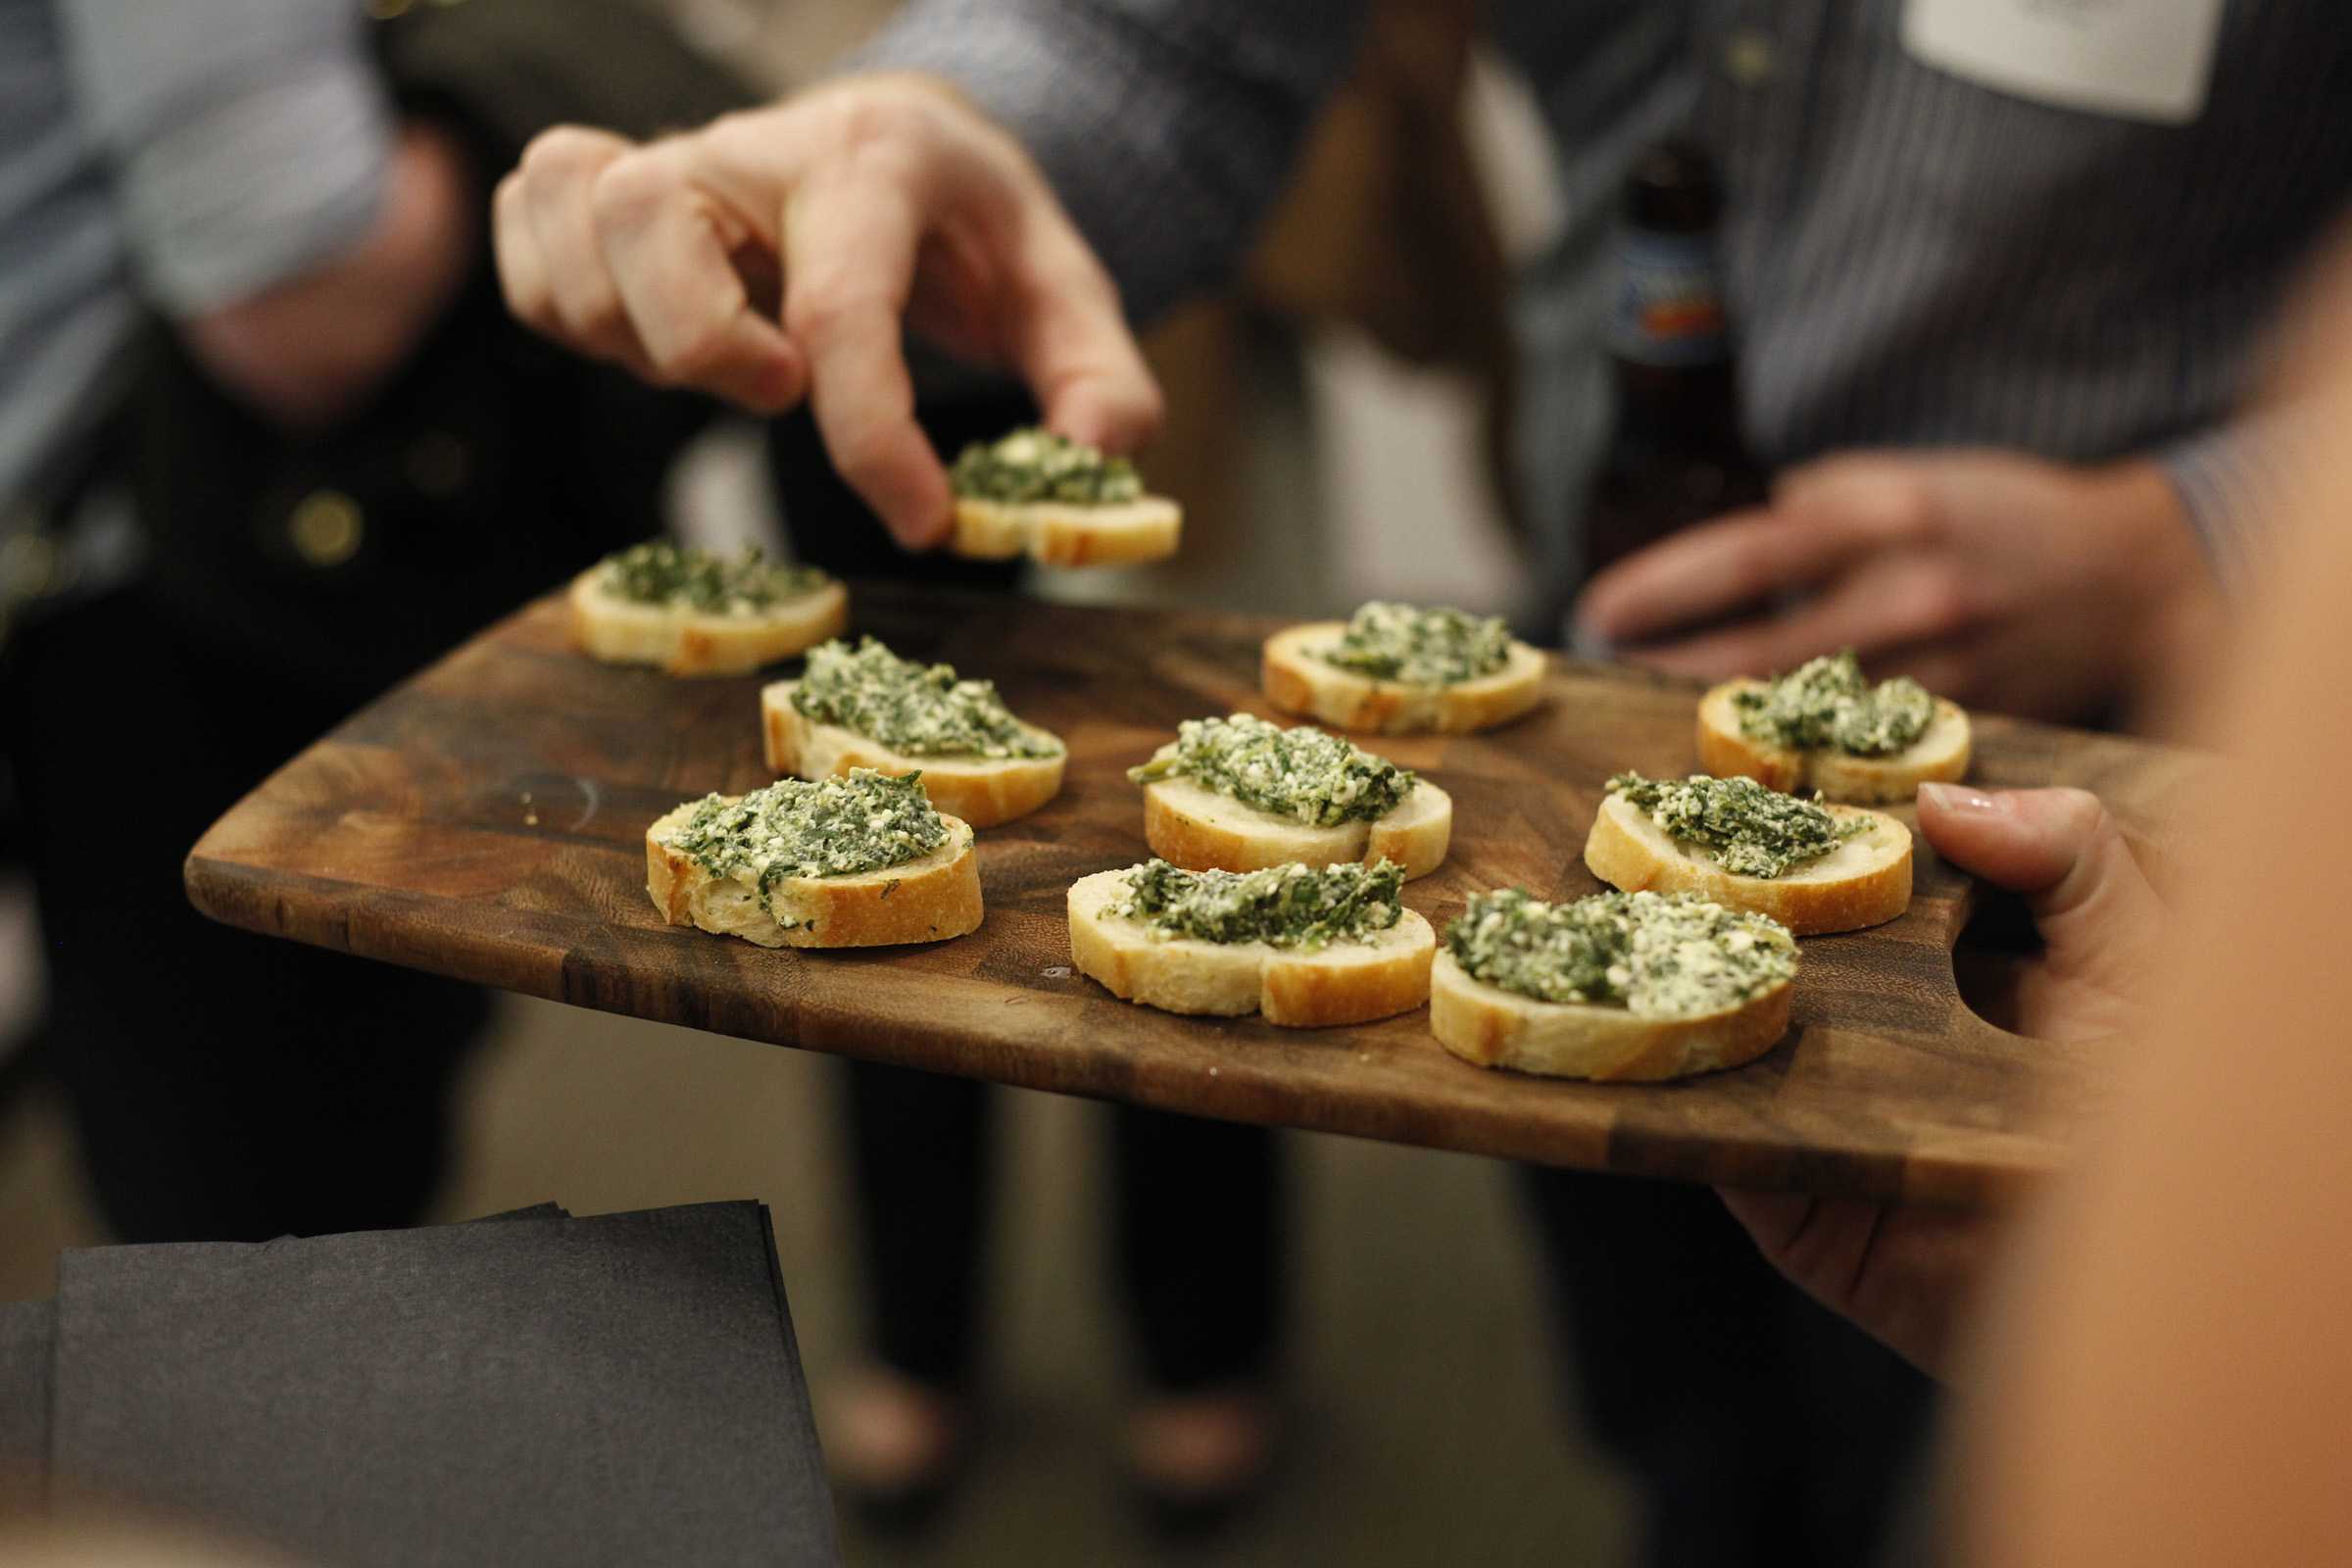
(921, 710)
(1750, 830)
(1827, 706)
(862, 821)
(1674, 956)
(1299, 907)
(1420, 646)
(1039, 466)
(1305, 773)
(659, 572)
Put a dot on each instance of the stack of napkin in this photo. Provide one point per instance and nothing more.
(535, 1389)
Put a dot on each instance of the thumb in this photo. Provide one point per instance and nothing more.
(2027, 841)
(2098, 913)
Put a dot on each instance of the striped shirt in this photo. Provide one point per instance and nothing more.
(1911, 260)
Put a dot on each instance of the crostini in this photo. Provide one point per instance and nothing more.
(867, 708)
(1240, 793)
(1306, 945)
(690, 612)
(1617, 985)
(1064, 504)
(857, 861)
(1823, 727)
(1391, 670)
(1814, 868)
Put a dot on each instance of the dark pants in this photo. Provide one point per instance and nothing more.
(1199, 1231)
(229, 1086)
(1762, 1430)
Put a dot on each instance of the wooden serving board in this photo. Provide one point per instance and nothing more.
(486, 821)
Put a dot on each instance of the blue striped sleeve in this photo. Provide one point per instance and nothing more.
(1166, 127)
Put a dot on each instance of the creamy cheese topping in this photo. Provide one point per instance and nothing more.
(921, 710)
(1656, 955)
(863, 821)
(1035, 465)
(1827, 706)
(1749, 829)
(1420, 646)
(659, 572)
(1305, 773)
(1298, 906)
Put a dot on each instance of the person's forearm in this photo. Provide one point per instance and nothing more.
(1166, 126)
(310, 351)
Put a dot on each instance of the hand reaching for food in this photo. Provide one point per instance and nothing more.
(1910, 1273)
(1999, 580)
(874, 203)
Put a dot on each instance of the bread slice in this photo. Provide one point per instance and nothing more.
(1346, 982)
(1296, 681)
(1497, 1028)
(1200, 830)
(1939, 755)
(929, 899)
(686, 642)
(1864, 881)
(1063, 533)
(983, 791)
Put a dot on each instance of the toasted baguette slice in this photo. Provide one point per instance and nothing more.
(1062, 533)
(685, 642)
(983, 791)
(1864, 881)
(1201, 830)
(1347, 982)
(1726, 751)
(1497, 1028)
(926, 899)
(1296, 681)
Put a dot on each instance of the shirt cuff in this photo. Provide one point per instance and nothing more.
(2224, 478)
(1165, 129)
(243, 156)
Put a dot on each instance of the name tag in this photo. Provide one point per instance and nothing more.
(2146, 59)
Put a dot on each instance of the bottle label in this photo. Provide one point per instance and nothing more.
(1669, 308)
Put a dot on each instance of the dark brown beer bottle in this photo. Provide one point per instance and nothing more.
(1677, 458)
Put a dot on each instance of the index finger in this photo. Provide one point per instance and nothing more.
(850, 248)
(1823, 517)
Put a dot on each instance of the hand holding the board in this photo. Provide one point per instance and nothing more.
(1910, 1273)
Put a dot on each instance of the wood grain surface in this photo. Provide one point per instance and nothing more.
(486, 821)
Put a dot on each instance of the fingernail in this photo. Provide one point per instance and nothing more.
(1960, 798)
(1587, 641)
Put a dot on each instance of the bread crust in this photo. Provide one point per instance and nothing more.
(1296, 681)
(1864, 881)
(983, 791)
(1062, 533)
(685, 642)
(1939, 755)
(926, 899)
(1200, 830)
(1347, 982)
(1492, 1027)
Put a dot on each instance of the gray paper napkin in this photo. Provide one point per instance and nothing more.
(619, 1390)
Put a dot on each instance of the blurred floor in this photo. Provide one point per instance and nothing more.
(1420, 1375)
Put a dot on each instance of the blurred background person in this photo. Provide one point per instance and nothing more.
(267, 442)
